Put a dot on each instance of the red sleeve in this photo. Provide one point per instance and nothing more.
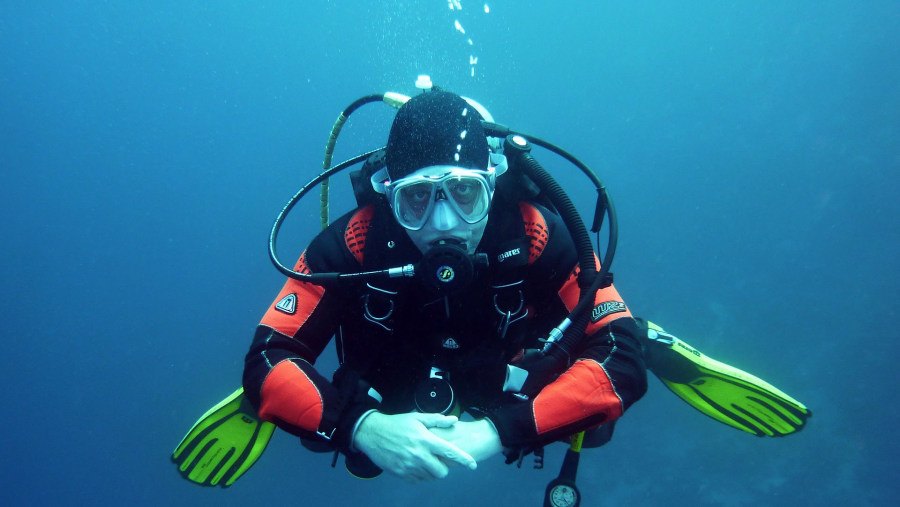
(279, 377)
(289, 395)
(584, 391)
(605, 379)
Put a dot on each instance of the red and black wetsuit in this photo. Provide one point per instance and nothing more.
(389, 336)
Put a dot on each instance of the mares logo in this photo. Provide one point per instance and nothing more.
(607, 308)
(509, 253)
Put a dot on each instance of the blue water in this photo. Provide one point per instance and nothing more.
(752, 149)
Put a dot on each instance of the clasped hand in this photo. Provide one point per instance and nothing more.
(402, 444)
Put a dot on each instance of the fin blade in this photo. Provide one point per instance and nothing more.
(260, 441)
(721, 391)
(711, 409)
(224, 443)
(205, 422)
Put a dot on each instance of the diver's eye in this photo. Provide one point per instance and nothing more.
(463, 192)
(418, 196)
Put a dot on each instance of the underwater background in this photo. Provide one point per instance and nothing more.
(752, 150)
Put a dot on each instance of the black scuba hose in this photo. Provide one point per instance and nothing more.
(602, 197)
(604, 206)
(498, 130)
(583, 246)
(318, 278)
(578, 315)
(566, 155)
(567, 211)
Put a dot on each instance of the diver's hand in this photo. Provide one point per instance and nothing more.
(402, 445)
(478, 438)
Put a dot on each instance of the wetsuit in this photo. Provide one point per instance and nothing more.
(390, 335)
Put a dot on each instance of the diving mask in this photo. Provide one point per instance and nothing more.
(467, 191)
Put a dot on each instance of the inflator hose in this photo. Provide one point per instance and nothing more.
(586, 260)
(567, 211)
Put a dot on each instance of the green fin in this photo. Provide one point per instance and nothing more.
(725, 393)
(224, 443)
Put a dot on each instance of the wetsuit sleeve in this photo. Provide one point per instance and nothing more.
(607, 374)
(279, 377)
(606, 379)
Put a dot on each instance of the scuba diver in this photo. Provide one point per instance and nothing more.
(461, 284)
(406, 344)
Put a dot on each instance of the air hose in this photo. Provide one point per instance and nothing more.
(569, 332)
(392, 99)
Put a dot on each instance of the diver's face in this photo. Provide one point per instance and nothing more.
(443, 204)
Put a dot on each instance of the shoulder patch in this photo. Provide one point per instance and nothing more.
(606, 308)
(356, 231)
(535, 230)
(287, 304)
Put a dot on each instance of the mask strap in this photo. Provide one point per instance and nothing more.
(378, 180)
(499, 163)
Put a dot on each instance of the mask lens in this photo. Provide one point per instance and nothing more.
(413, 202)
(414, 199)
(469, 195)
